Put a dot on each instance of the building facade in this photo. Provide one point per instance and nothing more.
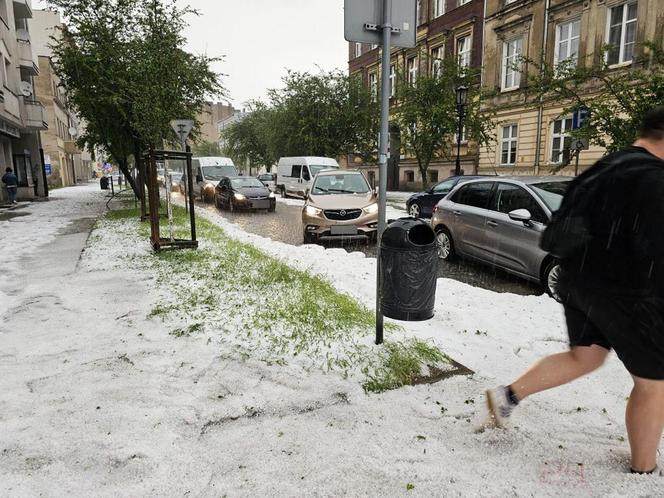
(21, 115)
(65, 163)
(209, 118)
(446, 28)
(531, 139)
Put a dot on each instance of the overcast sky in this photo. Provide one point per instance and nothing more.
(261, 38)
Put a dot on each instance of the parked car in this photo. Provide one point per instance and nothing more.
(340, 205)
(295, 174)
(177, 179)
(499, 221)
(269, 180)
(422, 204)
(243, 192)
(208, 171)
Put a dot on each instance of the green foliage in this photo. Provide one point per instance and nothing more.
(251, 140)
(427, 113)
(206, 149)
(618, 98)
(127, 74)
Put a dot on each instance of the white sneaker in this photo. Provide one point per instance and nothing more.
(499, 405)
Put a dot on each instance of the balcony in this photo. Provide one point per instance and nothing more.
(34, 115)
(27, 58)
(12, 105)
(22, 9)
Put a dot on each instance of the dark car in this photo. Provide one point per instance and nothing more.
(243, 192)
(422, 204)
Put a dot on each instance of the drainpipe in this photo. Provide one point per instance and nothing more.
(540, 106)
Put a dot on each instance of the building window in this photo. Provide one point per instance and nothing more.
(509, 143)
(393, 81)
(433, 176)
(411, 66)
(511, 58)
(438, 8)
(358, 49)
(373, 86)
(567, 42)
(560, 139)
(464, 47)
(410, 176)
(464, 137)
(437, 55)
(621, 33)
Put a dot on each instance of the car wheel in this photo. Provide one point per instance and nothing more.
(309, 238)
(445, 245)
(272, 209)
(414, 210)
(551, 280)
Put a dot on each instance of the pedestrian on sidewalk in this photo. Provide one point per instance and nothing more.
(608, 237)
(11, 182)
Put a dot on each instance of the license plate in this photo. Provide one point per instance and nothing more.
(343, 230)
(260, 204)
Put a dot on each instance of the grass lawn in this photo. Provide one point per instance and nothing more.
(258, 308)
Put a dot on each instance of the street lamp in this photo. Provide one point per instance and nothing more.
(461, 102)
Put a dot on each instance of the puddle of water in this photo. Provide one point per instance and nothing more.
(12, 214)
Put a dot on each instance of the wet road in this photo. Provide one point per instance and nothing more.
(285, 225)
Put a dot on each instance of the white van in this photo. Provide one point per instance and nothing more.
(295, 174)
(207, 173)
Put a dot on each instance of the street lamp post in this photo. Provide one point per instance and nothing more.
(461, 102)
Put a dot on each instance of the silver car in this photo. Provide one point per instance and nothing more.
(500, 221)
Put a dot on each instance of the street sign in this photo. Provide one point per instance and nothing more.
(579, 118)
(580, 144)
(182, 128)
(363, 21)
(48, 169)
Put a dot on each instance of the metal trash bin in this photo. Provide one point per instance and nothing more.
(409, 270)
(103, 183)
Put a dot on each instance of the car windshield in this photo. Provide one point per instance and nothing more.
(266, 178)
(340, 184)
(246, 183)
(218, 172)
(551, 193)
(315, 169)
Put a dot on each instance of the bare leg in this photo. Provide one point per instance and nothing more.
(559, 369)
(645, 419)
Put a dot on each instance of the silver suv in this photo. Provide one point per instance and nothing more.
(500, 221)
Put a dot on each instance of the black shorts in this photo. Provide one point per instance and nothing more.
(632, 326)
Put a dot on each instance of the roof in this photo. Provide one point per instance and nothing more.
(528, 180)
(330, 172)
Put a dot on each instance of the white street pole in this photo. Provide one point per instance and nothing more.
(382, 158)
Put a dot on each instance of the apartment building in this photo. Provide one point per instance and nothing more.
(65, 163)
(21, 116)
(209, 118)
(446, 28)
(532, 139)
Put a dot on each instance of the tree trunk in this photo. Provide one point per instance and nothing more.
(424, 168)
(141, 178)
(124, 167)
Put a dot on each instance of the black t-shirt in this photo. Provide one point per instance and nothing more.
(626, 254)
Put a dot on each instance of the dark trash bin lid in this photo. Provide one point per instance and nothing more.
(408, 233)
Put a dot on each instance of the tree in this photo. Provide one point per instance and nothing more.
(618, 99)
(427, 113)
(126, 74)
(206, 149)
(328, 114)
(251, 139)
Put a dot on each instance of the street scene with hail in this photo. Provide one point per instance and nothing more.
(320, 248)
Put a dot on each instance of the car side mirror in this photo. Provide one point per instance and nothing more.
(522, 215)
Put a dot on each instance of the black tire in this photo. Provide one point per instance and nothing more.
(550, 279)
(415, 211)
(445, 245)
(272, 209)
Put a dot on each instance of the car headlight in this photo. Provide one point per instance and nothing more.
(312, 211)
(272, 195)
(371, 208)
(240, 197)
